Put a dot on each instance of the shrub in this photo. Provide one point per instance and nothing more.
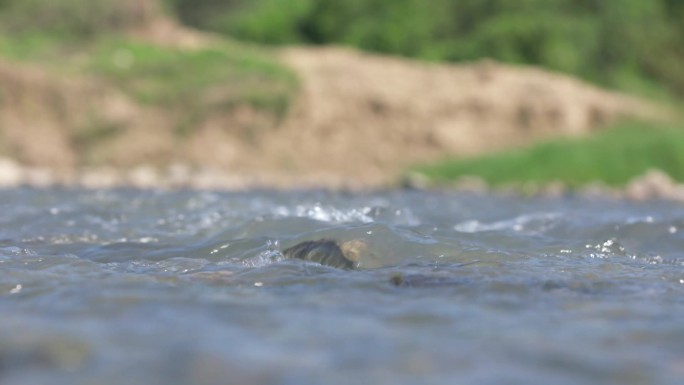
(73, 18)
(621, 43)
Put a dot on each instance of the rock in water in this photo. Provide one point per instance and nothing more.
(328, 252)
(424, 280)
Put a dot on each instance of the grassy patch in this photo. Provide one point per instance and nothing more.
(195, 83)
(25, 47)
(632, 45)
(73, 19)
(220, 75)
(192, 83)
(613, 156)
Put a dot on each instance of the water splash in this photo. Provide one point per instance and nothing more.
(271, 255)
(607, 249)
(325, 213)
(526, 223)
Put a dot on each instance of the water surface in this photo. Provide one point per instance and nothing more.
(145, 287)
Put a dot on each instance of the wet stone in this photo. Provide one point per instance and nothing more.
(325, 251)
(423, 280)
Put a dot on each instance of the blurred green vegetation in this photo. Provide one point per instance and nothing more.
(632, 45)
(169, 76)
(75, 19)
(613, 156)
(87, 38)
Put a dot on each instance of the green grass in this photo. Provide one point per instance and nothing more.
(25, 47)
(193, 83)
(160, 75)
(630, 45)
(613, 156)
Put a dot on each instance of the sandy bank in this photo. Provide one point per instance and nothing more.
(358, 119)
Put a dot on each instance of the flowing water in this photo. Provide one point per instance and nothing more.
(145, 287)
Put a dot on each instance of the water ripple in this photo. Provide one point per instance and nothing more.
(192, 287)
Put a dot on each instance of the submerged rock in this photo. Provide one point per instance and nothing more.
(328, 252)
(423, 280)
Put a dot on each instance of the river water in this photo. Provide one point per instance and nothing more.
(151, 287)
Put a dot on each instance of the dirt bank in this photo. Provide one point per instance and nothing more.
(368, 116)
(359, 119)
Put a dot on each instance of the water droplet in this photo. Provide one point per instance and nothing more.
(656, 260)
(607, 249)
(16, 289)
(273, 245)
(222, 247)
(258, 284)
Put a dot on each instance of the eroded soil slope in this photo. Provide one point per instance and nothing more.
(370, 116)
(359, 119)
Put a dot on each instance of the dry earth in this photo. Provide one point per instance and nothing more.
(369, 117)
(359, 120)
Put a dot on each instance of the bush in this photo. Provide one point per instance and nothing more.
(73, 18)
(610, 42)
(613, 156)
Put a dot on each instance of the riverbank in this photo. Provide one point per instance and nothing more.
(654, 184)
(173, 176)
(327, 117)
(123, 110)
